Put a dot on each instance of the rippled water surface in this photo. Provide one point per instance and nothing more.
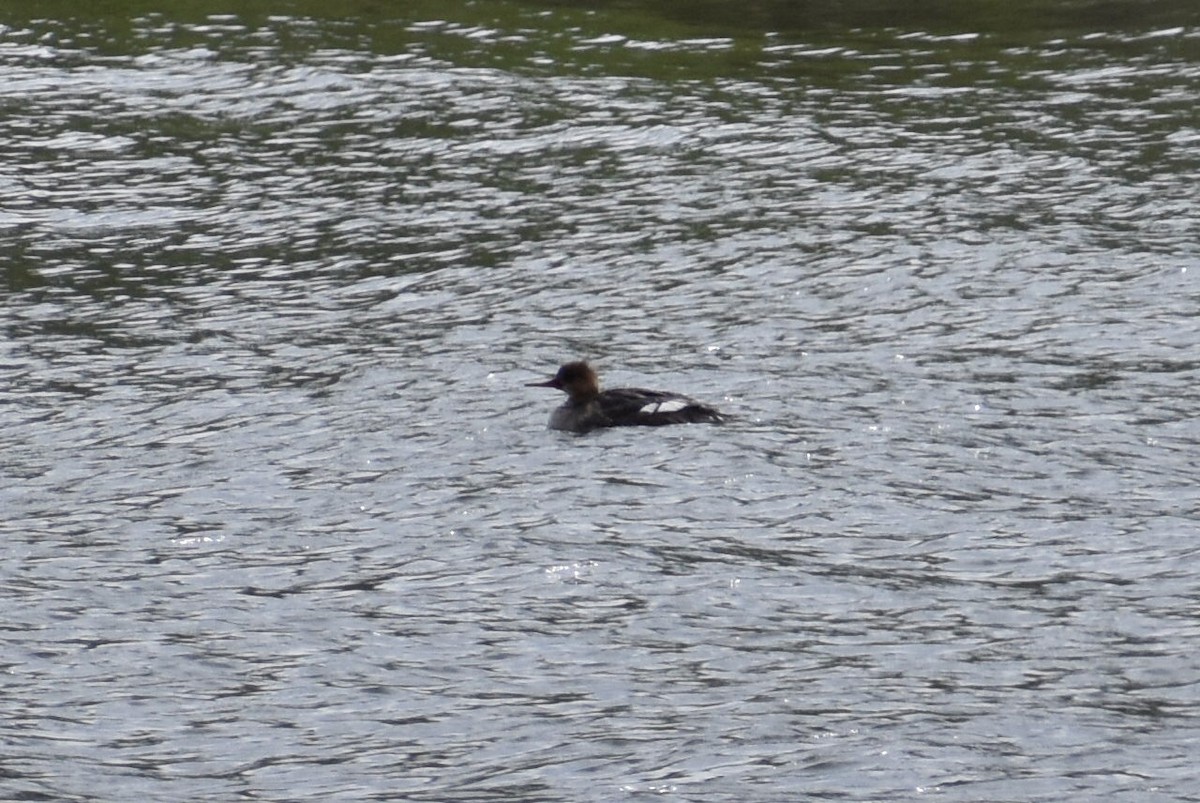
(282, 522)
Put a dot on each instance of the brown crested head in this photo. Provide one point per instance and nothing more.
(576, 379)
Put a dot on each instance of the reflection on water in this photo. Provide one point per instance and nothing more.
(281, 520)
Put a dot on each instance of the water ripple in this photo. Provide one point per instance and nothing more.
(280, 516)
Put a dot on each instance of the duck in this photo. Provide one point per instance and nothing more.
(588, 408)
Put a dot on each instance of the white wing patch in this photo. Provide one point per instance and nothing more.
(668, 406)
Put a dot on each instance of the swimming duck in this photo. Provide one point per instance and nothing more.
(587, 407)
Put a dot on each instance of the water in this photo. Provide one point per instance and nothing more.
(282, 522)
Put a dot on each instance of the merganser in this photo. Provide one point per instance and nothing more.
(588, 408)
